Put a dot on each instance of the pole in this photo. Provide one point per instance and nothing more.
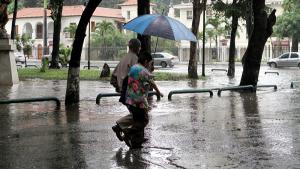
(13, 27)
(45, 29)
(89, 46)
(203, 43)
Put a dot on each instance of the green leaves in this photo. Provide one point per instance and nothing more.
(288, 24)
(71, 29)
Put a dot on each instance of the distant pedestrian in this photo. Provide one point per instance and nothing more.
(105, 71)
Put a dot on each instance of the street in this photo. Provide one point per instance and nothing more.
(236, 130)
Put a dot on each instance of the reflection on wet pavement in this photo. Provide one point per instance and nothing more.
(237, 130)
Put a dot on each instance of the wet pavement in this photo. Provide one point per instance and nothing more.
(236, 130)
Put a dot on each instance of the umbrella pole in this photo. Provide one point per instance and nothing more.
(156, 44)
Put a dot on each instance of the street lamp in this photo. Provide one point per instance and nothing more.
(89, 41)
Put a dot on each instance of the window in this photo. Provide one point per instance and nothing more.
(157, 56)
(93, 26)
(209, 11)
(294, 55)
(72, 31)
(177, 13)
(39, 31)
(17, 30)
(285, 56)
(128, 14)
(189, 14)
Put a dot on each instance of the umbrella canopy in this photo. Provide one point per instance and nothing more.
(160, 26)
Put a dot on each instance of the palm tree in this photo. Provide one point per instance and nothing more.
(71, 29)
(219, 28)
(104, 27)
(105, 31)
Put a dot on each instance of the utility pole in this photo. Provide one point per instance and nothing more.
(45, 29)
(89, 41)
(203, 43)
(89, 46)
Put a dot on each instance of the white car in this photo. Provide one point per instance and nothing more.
(164, 59)
(19, 57)
(290, 59)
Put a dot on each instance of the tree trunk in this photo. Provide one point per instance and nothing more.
(144, 8)
(13, 25)
(72, 92)
(295, 42)
(263, 28)
(56, 35)
(249, 18)
(197, 10)
(234, 25)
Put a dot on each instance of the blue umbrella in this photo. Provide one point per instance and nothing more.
(160, 26)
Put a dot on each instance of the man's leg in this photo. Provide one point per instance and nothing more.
(123, 125)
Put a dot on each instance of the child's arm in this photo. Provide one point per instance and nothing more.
(152, 83)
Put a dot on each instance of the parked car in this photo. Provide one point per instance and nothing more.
(289, 59)
(164, 59)
(19, 57)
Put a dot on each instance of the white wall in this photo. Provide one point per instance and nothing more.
(133, 11)
(241, 40)
(65, 22)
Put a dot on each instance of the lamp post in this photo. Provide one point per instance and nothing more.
(203, 42)
(89, 41)
(45, 29)
(89, 46)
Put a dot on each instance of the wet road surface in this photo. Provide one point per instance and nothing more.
(236, 130)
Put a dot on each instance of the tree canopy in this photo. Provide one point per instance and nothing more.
(10, 8)
(288, 24)
(163, 4)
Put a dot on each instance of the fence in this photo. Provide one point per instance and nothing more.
(220, 54)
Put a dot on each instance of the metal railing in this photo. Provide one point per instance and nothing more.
(219, 70)
(272, 72)
(26, 100)
(293, 83)
(246, 87)
(99, 96)
(274, 86)
(91, 66)
(189, 91)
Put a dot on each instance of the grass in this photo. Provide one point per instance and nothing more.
(62, 74)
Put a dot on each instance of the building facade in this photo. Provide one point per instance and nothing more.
(30, 21)
(184, 13)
